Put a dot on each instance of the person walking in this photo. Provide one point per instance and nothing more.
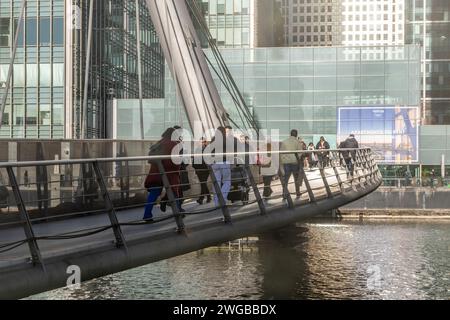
(202, 172)
(154, 182)
(269, 169)
(349, 156)
(323, 155)
(290, 161)
(312, 157)
(221, 167)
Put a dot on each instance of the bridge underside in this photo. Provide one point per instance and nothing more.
(97, 255)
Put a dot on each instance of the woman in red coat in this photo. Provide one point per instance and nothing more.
(154, 182)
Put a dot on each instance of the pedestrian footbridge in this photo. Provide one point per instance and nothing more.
(87, 214)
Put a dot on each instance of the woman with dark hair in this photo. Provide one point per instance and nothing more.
(154, 182)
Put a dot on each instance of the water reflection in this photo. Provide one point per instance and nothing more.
(314, 260)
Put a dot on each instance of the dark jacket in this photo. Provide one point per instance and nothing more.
(326, 145)
(349, 143)
(196, 161)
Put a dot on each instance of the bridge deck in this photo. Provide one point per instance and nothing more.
(91, 240)
(51, 248)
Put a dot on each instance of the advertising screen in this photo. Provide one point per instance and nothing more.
(391, 131)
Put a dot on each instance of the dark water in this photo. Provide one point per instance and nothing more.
(314, 260)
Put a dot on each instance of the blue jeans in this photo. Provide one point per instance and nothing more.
(153, 195)
(293, 169)
(222, 172)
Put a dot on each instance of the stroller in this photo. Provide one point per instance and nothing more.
(239, 185)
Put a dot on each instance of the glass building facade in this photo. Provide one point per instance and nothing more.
(231, 22)
(35, 104)
(114, 61)
(305, 89)
(428, 25)
(47, 88)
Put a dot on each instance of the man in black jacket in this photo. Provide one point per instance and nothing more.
(349, 143)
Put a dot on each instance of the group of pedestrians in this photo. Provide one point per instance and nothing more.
(291, 165)
(177, 174)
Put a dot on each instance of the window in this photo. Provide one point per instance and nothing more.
(44, 115)
(44, 31)
(58, 114)
(4, 32)
(31, 118)
(21, 37)
(31, 32)
(58, 31)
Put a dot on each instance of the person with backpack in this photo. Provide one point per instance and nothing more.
(349, 156)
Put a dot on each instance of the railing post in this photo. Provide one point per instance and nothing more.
(336, 172)
(36, 257)
(312, 198)
(325, 181)
(285, 187)
(259, 199)
(171, 196)
(367, 166)
(350, 175)
(359, 165)
(218, 189)
(120, 239)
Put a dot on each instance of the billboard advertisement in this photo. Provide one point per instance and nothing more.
(391, 131)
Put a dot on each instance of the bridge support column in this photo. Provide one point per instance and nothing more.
(36, 257)
(336, 172)
(120, 239)
(172, 199)
(259, 199)
(312, 198)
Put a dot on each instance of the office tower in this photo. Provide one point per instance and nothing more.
(312, 22)
(47, 96)
(373, 22)
(243, 23)
(428, 24)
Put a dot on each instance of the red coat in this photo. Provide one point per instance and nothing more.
(154, 178)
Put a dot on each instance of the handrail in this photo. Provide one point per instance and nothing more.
(164, 157)
(361, 171)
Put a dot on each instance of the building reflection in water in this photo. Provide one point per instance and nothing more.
(314, 260)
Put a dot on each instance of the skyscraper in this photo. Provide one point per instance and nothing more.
(343, 22)
(49, 95)
(243, 23)
(428, 24)
(312, 22)
(373, 22)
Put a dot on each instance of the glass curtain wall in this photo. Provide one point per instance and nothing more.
(114, 69)
(35, 104)
(303, 88)
(430, 27)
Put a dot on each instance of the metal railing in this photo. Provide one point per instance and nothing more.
(85, 187)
